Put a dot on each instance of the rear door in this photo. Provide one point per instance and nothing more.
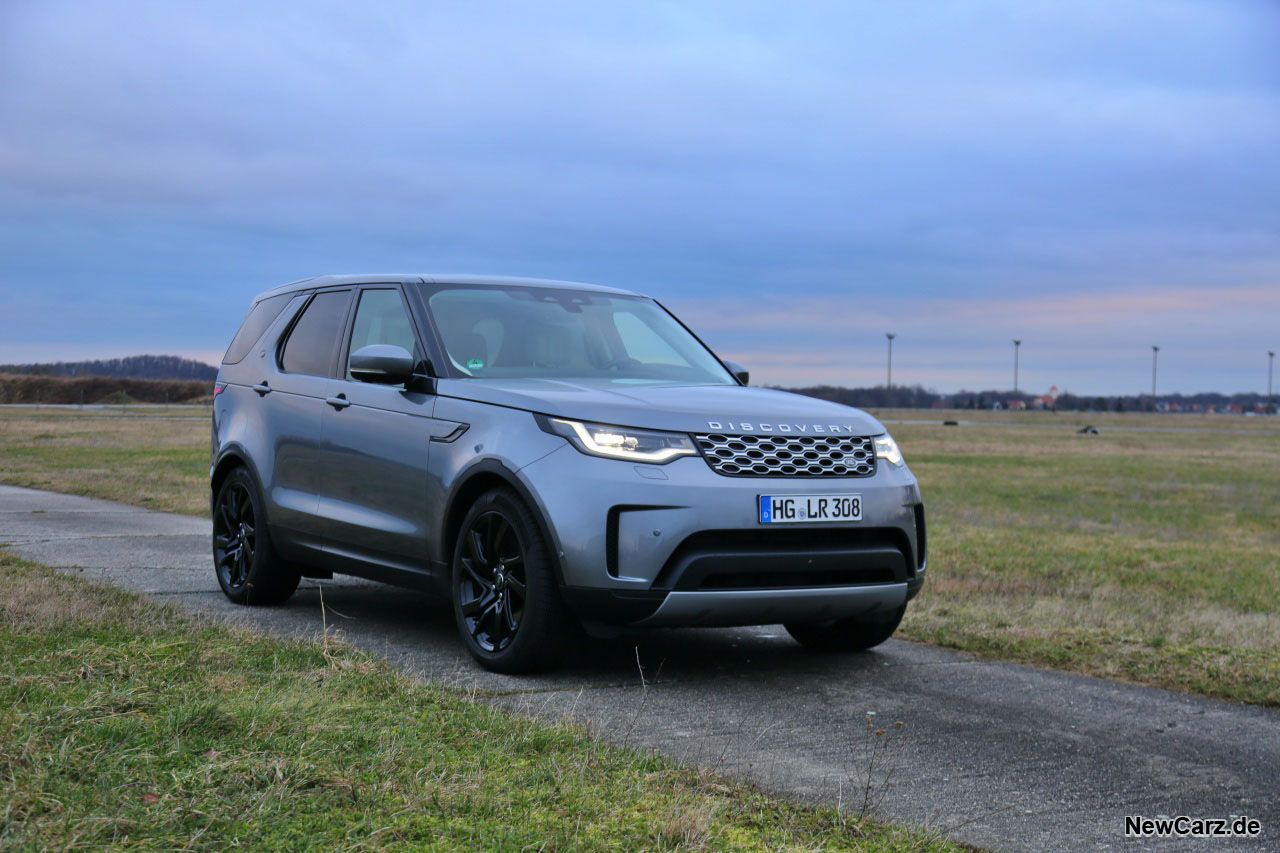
(294, 394)
(374, 446)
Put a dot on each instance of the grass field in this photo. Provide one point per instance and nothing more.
(1147, 552)
(158, 460)
(127, 723)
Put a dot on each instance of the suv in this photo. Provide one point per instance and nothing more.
(547, 454)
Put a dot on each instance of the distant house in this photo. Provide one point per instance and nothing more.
(1046, 401)
(1015, 404)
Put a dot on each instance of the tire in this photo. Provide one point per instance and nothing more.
(846, 635)
(505, 600)
(248, 569)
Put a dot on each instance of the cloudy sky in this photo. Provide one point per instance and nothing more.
(793, 179)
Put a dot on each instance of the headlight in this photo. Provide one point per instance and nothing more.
(637, 445)
(887, 449)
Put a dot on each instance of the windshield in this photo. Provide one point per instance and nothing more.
(549, 333)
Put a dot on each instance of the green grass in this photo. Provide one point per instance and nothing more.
(1146, 556)
(128, 723)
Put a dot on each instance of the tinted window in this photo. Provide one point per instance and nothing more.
(260, 316)
(381, 319)
(315, 336)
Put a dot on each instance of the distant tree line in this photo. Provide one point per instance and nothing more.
(917, 397)
(42, 389)
(132, 367)
(900, 397)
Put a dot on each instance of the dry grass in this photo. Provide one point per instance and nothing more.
(153, 460)
(1122, 420)
(44, 601)
(1143, 555)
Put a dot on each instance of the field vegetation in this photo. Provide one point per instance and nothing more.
(158, 460)
(1147, 552)
(32, 388)
(127, 723)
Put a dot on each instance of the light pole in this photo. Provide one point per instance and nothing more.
(888, 382)
(1016, 344)
(1271, 361)
(1155, 354)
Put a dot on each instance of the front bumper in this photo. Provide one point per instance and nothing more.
(679, 544)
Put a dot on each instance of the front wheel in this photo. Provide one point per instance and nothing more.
(846, 635)
(248, 569)
(505, 601)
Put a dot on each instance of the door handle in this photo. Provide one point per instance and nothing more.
(262, 388)
(338, 402)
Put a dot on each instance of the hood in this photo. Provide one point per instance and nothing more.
(680, 408)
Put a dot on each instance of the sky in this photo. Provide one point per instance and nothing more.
(793, 180)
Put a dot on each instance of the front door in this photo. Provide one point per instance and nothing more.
(374, 445)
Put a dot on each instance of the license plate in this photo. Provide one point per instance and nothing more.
(797, 509)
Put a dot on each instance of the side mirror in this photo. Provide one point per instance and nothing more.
(382, 364)
(739, 372)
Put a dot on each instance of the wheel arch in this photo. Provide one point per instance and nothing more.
(231, 459)
(478, 479)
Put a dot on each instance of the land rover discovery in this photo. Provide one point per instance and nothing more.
(547, 454)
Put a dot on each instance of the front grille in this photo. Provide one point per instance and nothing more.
(788, 455)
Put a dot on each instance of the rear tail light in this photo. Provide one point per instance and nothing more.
(218, 388)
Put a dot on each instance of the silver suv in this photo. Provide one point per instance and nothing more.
(547, 455)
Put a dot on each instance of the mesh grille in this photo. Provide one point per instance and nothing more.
(788, 455)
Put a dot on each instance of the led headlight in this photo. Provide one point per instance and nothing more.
(614, 442)
(887, 449)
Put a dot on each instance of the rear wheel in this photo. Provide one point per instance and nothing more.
(505, 601)
(248, 569)
(846, 635)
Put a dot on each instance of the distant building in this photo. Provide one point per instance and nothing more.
(1046, 401)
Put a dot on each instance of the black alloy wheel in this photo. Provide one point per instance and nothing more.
(506, 601)
(492, 589)
(248, 569)
(235, 536)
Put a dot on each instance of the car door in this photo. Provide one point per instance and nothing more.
(374, 445)
(295, 392)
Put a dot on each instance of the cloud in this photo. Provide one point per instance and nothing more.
(1092, 342)
(907, 161)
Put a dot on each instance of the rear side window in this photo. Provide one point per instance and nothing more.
(310, 346)
(260, 316)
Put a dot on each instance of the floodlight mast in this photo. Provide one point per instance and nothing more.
(888, 381)
(1016, 344)
(1271, 402)
(1155, 354)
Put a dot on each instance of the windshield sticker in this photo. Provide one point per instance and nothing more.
(475, 364)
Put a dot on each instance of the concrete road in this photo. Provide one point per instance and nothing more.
(997, 755)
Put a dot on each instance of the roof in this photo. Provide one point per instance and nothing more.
(435, 278)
